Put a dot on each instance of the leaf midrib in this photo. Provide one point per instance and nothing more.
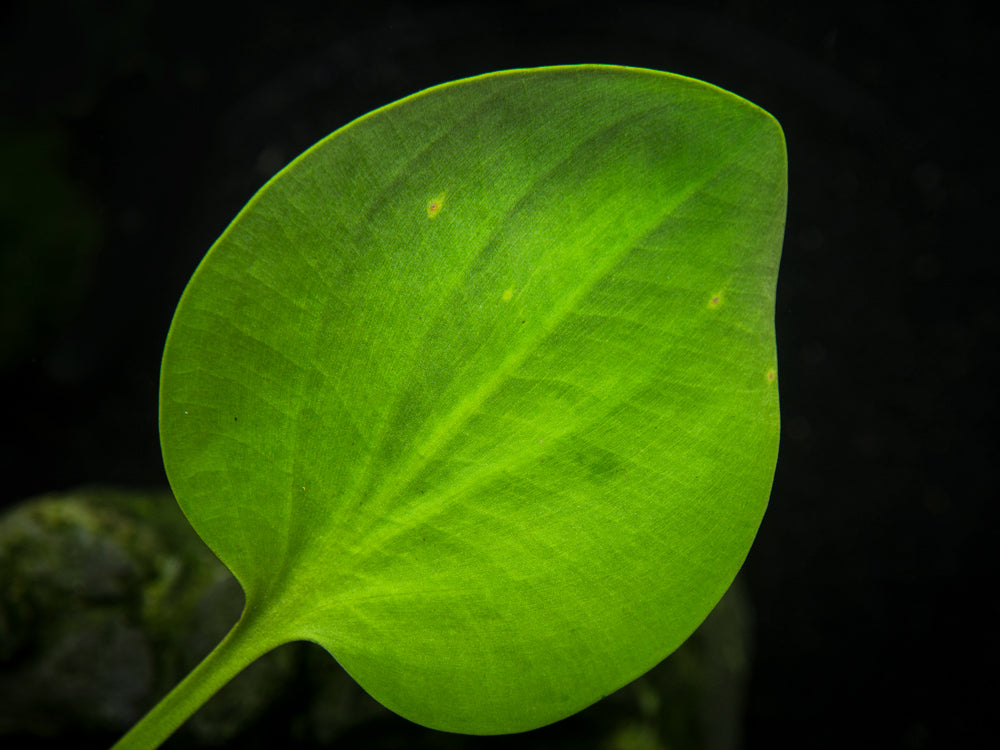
(446, 427)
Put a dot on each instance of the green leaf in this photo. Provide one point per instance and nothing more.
(480, 392)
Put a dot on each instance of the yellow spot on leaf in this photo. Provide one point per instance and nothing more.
(434, 206)
(771, 375)
(715, 300)
(508, 294)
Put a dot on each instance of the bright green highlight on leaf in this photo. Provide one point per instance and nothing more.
(501, 462)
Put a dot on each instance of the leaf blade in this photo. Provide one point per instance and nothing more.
(482, 395)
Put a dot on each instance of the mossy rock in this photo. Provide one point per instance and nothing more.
(108, 599)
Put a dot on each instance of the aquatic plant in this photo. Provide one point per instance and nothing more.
(480, 392)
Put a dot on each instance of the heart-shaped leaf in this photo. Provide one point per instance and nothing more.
(480, 393)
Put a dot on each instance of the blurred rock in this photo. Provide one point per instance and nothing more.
(107, 599)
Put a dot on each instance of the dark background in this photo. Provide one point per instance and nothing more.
(132, 132)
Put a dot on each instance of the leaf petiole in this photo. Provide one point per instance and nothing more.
(240, 648)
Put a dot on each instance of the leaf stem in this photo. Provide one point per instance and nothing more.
(241, 647)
